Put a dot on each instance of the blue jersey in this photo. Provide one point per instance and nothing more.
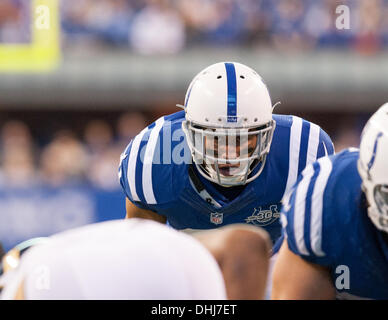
(325, 221)
(155, 175)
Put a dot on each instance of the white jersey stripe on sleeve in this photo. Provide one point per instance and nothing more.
(131, 172)
(300, 208)
(293, 162)
(324, 147)
(148, 162)
(312, 149)
(317, 206)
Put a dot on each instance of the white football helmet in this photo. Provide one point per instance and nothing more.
(373, 167)
(229, 125)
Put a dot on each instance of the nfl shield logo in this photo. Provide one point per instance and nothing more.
(216, 218)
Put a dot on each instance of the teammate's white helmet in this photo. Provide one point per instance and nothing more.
(229, 125)
(373, 166)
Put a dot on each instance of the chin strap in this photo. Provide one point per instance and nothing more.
(198, 186)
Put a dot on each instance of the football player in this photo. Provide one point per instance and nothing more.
(224, 159)
(336, 224)
(118, 260)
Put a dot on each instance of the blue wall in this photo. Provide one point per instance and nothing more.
(42, 211)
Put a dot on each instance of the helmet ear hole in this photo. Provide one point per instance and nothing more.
(219, 77)
(242, 77)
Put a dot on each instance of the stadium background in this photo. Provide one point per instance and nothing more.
(123, 63)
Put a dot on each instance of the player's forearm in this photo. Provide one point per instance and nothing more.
(295, 291)
(242, 252)
(145, 215)
(133, 211)
(297, 279)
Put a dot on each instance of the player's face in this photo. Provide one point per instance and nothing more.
(230, 147)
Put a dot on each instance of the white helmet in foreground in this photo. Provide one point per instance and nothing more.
(373, 166)
(229, 125)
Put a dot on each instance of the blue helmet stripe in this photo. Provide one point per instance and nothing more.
(232, 92)
(372, 160)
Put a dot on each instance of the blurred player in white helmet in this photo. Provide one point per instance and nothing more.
(139, 259)
(336, 224)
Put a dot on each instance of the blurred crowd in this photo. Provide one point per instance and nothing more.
(169, 26)
(67, 159)
(92, 157)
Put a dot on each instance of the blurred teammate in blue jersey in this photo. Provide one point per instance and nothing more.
(336, 224)
(224, 159)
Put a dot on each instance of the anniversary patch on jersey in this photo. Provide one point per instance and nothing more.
(264, 217)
